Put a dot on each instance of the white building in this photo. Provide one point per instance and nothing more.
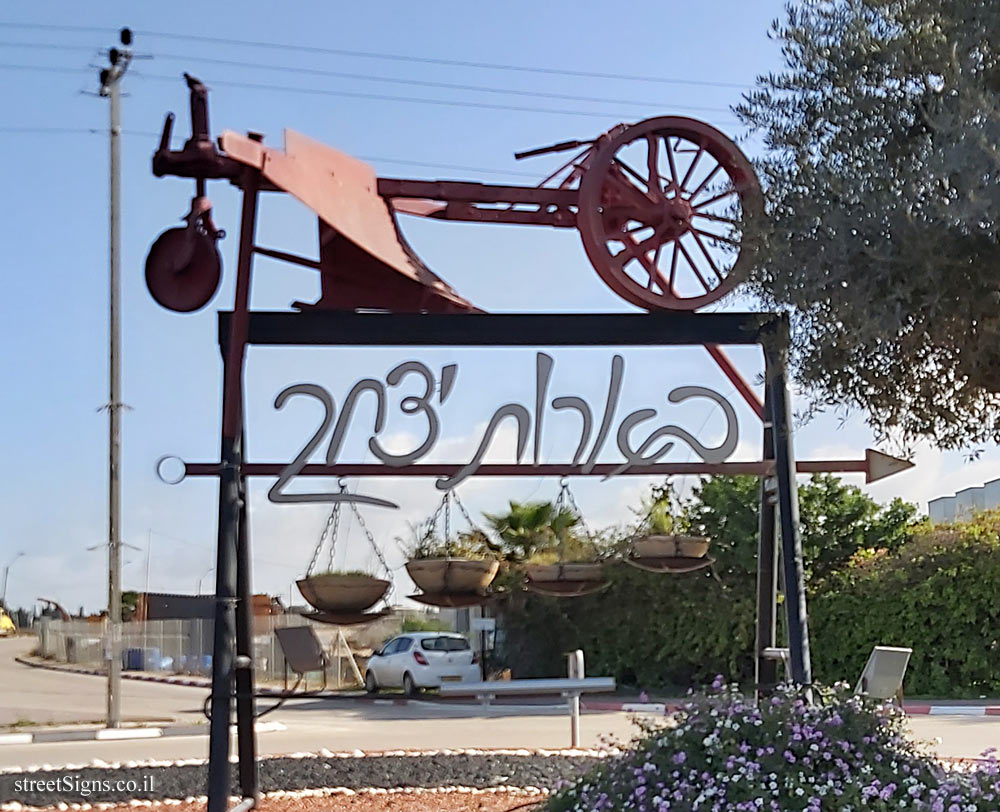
(964, 503)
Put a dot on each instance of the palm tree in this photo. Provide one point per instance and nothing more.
(530, 528)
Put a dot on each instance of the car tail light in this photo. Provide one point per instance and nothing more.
(420, 658)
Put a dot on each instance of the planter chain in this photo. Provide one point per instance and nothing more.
(566, 499)
(371, 539)
(332, 521)
(465, 515)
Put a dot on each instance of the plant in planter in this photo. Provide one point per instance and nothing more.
(660, 543)
(557, 561)
(342, 590)
(463, 566)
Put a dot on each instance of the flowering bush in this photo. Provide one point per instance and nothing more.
(723, 753)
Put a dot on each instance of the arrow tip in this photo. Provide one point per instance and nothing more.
(882, 465)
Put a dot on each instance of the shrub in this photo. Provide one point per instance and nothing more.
(425, 624)
(936, 595)
(726, 754)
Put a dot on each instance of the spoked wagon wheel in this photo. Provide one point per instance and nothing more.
(663, 208)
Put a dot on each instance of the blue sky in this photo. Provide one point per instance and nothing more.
(54, 215)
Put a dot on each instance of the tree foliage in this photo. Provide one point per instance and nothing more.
(882, 177)
(836, 521)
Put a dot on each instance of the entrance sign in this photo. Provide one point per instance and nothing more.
(635, 448)
(665, 209)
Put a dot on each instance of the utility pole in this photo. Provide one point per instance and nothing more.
(6, 572)
(111, 77)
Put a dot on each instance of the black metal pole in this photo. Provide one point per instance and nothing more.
(766, 670)
(225, 627)
(245, 705)
(230, 511)
(776, 356)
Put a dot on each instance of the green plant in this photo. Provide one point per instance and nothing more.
(425, 624)
(540, 533)
(344, 574)
(425, 543)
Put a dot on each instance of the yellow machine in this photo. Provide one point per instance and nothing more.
(7, 626)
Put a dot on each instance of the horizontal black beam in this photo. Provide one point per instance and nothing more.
(341, 328)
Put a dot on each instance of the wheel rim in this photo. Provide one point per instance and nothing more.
(676, 243)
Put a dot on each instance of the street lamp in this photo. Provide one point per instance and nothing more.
(6, 572)
(209, 570)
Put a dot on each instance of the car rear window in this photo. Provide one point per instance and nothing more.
(444, 644)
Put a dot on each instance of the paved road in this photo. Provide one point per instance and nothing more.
(49, 697)
(313, 724)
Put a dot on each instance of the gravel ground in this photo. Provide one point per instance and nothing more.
(480, 770)
(415, 801)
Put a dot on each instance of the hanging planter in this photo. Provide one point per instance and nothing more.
(343, 597)
(452, 575)
(451, 572)
(565, 580)
(659, 549)
(563, 563)
(349, 592)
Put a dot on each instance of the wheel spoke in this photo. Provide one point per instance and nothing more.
(718, 237)
(673, 269)
(651, 268)
(715, 199)
(673, 166)
(694, 267)
(634, 196)
(687, 175)
(716, 218)
(656, 264)
(632, 172)
(711, 262)
(705, 182)
(652, 163)
(634, 229)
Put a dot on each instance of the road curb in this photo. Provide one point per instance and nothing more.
(122, 734)
(913, 709)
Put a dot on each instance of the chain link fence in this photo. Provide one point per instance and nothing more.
(185, 646)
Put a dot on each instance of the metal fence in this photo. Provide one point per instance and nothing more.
(185, 646)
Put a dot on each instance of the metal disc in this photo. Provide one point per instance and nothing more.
(183, 270)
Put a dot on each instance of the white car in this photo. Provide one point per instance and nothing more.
(422, 660)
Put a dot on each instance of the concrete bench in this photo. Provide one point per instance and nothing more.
(569, 688)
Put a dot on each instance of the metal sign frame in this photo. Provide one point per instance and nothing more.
(232, 662)
(182, 272)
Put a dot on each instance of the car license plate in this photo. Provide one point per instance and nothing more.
(451, 679)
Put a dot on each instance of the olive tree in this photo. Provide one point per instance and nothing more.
(882, 175)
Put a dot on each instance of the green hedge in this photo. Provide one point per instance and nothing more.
(936, 593)
(645, 630)
(939, 595)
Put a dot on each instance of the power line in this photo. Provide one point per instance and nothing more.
(54, 46)
(315, 91)
(390, 80)
(239, 63)
(285, 46)
(31, 130)
(423, 83)
(45, 68)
